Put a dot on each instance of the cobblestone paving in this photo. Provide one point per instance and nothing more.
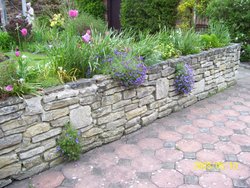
(205, 145)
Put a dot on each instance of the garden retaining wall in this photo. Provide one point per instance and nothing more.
(101, 110)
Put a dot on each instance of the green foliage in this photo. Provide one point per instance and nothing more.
(186, 42)
(210, 41)
(68, 144)
(245, 53)
(235, 15)
(186, 11)
(6, 41)
(148, 15)
(93, 7)
(221, 31)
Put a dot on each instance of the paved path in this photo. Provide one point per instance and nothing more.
(171, 152)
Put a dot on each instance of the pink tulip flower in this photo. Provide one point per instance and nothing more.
(24, 32)
(73, 13)
(9, 88)
(17, 53)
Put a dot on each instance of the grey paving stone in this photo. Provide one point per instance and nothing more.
(188, 136)
(204, 130)
(148, 152)
(124, 162)
(97, 171)
(232, 118)
(168, 165)
(238, 131)
(169, 144)
(191, 180)
(240, 183)
(245, 148)
(244, 113)
(219, 124)
(143, 175)
(224, 138)
(191, 155)
(69, 182)
(208, 146)
(231, 157)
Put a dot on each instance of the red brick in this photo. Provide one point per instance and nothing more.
(188, 167)
(221, 131)
(235, 125)
(210, 156)
(168, 155)
(240, 139)
(128, 151)
(205, 138)
(170, 136)
(227, 147)
(150, 143)
(204, 123)
(188, 146)
(146, 164)
(244, 158)
(48, 179)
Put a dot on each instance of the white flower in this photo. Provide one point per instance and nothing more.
(50, 46)
(21, 80)
(24, 56)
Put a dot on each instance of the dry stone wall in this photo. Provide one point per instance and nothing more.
(101, 110)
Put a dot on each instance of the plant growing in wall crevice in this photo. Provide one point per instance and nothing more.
(68, 144)
(184, 78)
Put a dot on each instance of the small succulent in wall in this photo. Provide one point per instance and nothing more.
(68, 144)
(184, 78)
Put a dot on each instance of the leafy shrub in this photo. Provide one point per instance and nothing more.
(68, 144)
(245, 53)
(93, 7)
(184, 78)
(210, 41)
(5, 41)
(187, 42)
(15, 26)
(235, 15)
(148, 15)
(168, 51)
(221, 31)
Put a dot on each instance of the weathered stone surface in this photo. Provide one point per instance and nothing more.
(34, 161)
(15, 131)
(199, 87)
(51, 154)
(89, 90)
(5, 118)
(145, 91)
(32, 171)
(10, 170)
(49, 143)
(136, 112)
(112, 133)
(146, 100)
(68, 93)
(121, 104)
(162, 88)
(10, 101)
(11, 109)
(92, 132)
(8, 159)
(111, 117)
(28, 120)
(46, 135)
(10, 125)
(128, 94)
(115, 124)
(81, 117)
(5, 182)
(55, 114)
(89, 100)
(56, 162)
(149, 119)
(36, 129)
(32, 152)
(102, 111)
(111, 99)
(1, 133)
(10, 141)
(61, 103)
(34, 106)
(132, 129)
(60, 122)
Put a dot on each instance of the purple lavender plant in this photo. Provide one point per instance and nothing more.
(131, 71)
(184, 79)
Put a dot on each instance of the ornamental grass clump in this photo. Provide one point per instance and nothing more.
(184, 78)
(68, 144)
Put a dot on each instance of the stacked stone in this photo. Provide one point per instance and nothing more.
(102, 110)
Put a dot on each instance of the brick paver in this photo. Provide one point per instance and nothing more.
(205, 145)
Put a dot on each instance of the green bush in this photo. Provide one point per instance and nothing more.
(210, 41)
(68, 144)
(235, 15)
(151, 15)
(6, 41)
(221, 31)
(186, 42)
(93, 7)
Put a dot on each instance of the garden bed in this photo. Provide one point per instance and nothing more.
(102, 110)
